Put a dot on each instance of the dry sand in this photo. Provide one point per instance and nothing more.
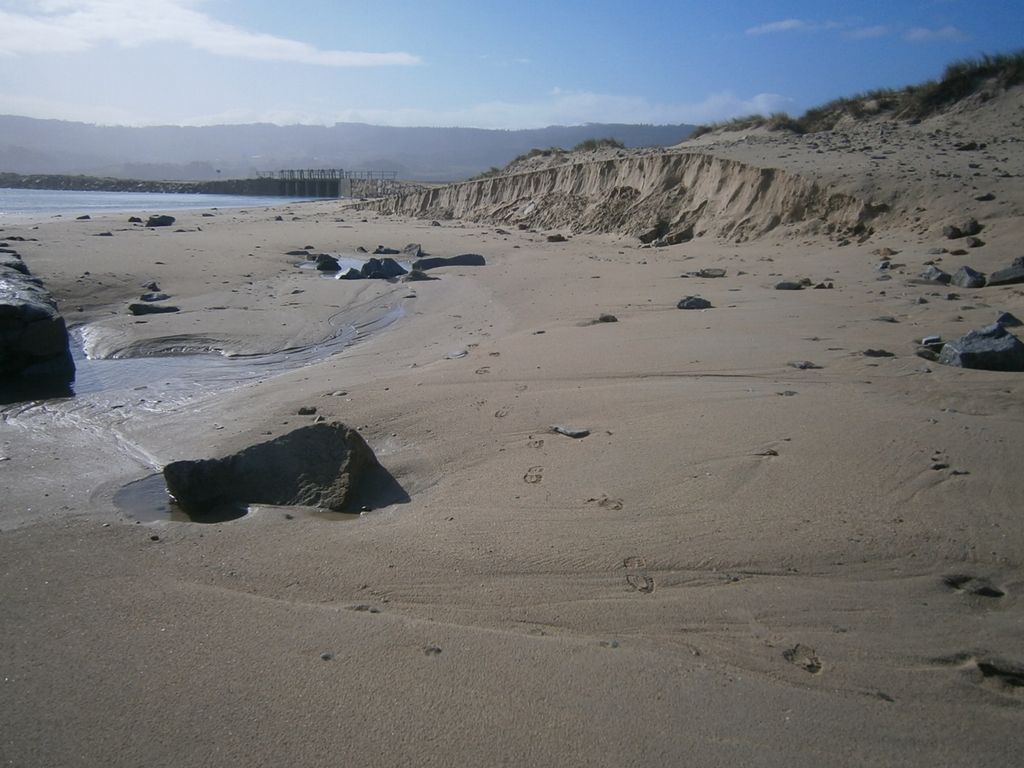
(743, 564)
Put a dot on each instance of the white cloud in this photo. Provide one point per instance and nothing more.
(868, 33)
(926, 35)
(70, 26)
(786, 25)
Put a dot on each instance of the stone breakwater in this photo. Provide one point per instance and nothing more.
(34, 356)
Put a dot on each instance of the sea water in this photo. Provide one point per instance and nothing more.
(19, 204)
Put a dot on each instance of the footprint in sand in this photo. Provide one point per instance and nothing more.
(534, 475)
(635, 577)
(536, 442)
(502, 412)
(1000, 675)
(804, 657)
(606, 503)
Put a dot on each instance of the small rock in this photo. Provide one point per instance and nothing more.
(160, 221)
(606, 318)
(151, 309)
(935, 275)
(965, 277)
(693, 302)
(788, 285)
(974, 242)
(556, 238)
(576, 432)
(1008, 320)
(307, 410)
(1008, 276)
(878, 353)
(803, 365)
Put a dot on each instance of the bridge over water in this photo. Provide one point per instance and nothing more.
(315, 182)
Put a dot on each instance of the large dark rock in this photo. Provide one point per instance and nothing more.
(462, 260)
(966, 277)
(327, 263)
(1008, 276)
(160, 221)
(992, 348)
(34, 356)
(382, 269)
(322, 465)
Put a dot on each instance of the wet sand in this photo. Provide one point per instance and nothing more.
(743, 563)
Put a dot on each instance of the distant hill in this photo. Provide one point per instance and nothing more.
(28, 145)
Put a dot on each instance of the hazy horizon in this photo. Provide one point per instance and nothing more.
(400, 63)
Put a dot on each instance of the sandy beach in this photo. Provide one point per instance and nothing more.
(744, 562)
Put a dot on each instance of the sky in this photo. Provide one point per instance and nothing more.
(474, 63)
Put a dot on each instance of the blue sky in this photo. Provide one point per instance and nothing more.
(476, 63)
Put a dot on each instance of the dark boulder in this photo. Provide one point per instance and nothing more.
(380, 250)
(134, 220)
(35, 359)
(1008, 276)
(12, 261)
(160, 221)
(965, 277)
(327, 263)
(693, 302)
(382, 269)
(992, 349)
(323, 465)
(462, 260)
(556, 238)
(1008, 320)
(350, 274)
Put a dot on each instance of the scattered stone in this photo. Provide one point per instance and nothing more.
(992, 348)
(104, 234)
(462, 260)
(307, 410)
(708, 272)
(965, 277)
(350, 274)
(1008, 320)
(1008, 276)
(412, 251)
(789, 285)
(606, 318)
(974, 242)
(971, 227)
(987, 197)
(824, 285)
(878, 353)
(576, 432)
(160, 221)
(151, 309)
(803, 365)
(154, 297)
(134, 220)
(693, 302)
(299, 252)
(321, 465)
(886, 319)
(935, 275)
(435, 223)
(84, 217)
(382, 269)
(952, 232)
(380, 250)
(327, 263)
(556, 238)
